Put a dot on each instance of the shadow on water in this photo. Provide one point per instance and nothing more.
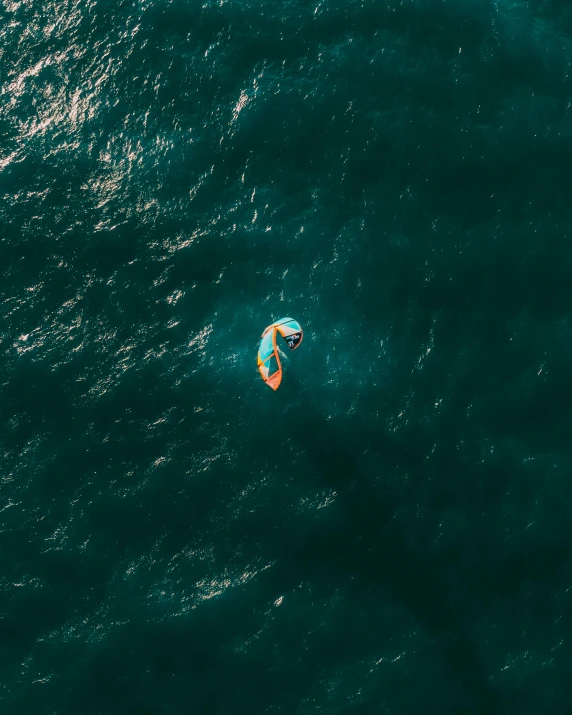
(371, 549)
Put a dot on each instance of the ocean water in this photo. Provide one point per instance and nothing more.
(389, 532)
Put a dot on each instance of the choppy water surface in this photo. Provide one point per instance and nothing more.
(390, 531)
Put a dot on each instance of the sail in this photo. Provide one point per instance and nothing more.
(269, 364)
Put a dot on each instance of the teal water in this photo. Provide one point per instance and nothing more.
(388, 533)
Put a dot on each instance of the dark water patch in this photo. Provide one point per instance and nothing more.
(388, 532)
